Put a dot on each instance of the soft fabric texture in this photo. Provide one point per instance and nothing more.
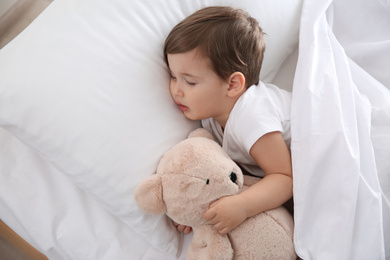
(332, 209)
(85, 85)
(260, 110)
(340, 131)
(193, 174)
(45, 208)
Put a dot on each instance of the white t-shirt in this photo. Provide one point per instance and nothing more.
(260, 110)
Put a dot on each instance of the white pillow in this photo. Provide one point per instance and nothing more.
(86, 86)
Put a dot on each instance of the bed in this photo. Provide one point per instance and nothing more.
(85, 115)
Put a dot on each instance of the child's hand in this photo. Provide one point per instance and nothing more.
(226, 214)
(181, 228)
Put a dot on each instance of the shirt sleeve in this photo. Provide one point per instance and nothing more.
(252, 119)
(248, 134)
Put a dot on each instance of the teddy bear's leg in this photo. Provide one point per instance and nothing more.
(208, 244)
(268, 235)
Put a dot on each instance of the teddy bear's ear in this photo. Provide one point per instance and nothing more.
(201, 132)
(149, 197)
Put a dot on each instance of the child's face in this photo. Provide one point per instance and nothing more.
(199, 92)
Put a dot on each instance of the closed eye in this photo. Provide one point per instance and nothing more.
(191, 83)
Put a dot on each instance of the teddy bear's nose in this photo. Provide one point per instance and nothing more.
(233, 177)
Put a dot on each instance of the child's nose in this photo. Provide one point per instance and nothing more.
(176, 89)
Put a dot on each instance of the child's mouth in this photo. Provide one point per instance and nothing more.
(183, 108)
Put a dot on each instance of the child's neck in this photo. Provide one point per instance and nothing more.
(224, 117)
(230, 103)
(222, 122)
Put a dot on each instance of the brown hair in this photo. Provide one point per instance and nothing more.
(229, 37)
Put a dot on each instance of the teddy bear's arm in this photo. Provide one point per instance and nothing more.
(207, 243)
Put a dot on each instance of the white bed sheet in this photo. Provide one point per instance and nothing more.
(63, 222)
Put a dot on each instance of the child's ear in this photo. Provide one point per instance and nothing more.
(236, 84)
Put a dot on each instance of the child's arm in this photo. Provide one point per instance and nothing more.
(273, 156)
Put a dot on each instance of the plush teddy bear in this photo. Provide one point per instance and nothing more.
(193, 174)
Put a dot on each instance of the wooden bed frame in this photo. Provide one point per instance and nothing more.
(18, 17)
(18, 244)
(12, 22)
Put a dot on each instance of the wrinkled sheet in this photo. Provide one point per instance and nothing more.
(341, 131)
(59, 219)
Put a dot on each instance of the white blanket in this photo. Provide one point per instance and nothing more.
(341, 131)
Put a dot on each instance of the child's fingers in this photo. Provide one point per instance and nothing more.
(223, 231)
(180, 228)
(222, 228)
(219, 226)
(213, 204)
(209, 214)
(187, 230)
